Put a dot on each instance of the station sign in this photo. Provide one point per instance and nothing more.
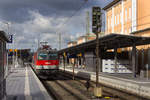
(64, 54)
(79, 55)
(10, 38)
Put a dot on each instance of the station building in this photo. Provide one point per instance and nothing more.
(131, 17)
(127, 16)
(3, 60)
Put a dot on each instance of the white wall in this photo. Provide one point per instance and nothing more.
(109, 66)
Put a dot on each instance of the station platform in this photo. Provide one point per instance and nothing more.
(124, 82)
(23, 84)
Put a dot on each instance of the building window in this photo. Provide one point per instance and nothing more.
(120, 17)
(129, 13)
(126, 14)
(130, 30)
(112, 21)
(115, 20)
(125, 31)
(108, 23)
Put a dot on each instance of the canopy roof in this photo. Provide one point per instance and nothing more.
(109, 41)
(3, 36)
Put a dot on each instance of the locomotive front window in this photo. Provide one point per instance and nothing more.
(42, 56)
(53, 56)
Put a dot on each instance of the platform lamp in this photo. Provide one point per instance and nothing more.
(96, 28)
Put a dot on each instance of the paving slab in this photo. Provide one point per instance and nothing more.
(23, 84)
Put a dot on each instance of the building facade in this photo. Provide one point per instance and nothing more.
(83, 39)
(127, 16)
(71, 43)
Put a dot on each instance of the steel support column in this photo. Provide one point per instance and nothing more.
(115, 58)
(73, 68)
(134, 60)
(64, 63)
(100, 61)
(97, 59)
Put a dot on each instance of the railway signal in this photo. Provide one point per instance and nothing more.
(96, 19)
(96, 28)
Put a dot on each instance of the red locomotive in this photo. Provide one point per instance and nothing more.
(45, 61)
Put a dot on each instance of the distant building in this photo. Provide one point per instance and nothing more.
(83, 39)
(91, 37)
(71, 43)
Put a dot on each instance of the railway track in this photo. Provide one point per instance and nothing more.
(62, 87)
(108, 91)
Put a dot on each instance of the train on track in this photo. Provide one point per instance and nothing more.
(45, 61)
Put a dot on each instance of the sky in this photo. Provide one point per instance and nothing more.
(44, 20)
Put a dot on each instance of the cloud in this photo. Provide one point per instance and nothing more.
(17, 11)
(44, 20)
(42, 28)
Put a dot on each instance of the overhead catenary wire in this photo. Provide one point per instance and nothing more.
(60, 41)
(69, 18)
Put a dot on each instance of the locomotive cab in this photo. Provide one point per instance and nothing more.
(46, 62)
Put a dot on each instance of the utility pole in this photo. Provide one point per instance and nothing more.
(87, 25)
(13, 51)
(59, 41)
(16, 57)
(38, 43)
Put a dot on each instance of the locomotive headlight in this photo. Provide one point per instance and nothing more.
(47, 63)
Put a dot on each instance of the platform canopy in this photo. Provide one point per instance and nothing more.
(3, 36)
(109, 41)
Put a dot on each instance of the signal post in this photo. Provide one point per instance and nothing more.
(96, 28)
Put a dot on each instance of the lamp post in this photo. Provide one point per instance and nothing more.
(13, 50)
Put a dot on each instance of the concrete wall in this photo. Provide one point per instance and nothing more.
(90, 61)
(109, 66)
